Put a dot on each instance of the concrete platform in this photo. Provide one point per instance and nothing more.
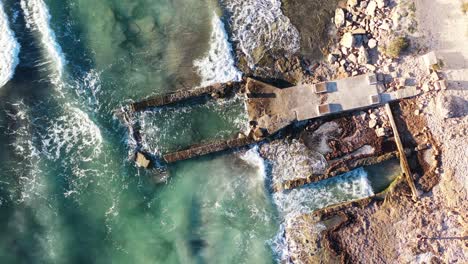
(272, 108)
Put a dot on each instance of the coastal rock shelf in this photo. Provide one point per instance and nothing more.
(270, 109)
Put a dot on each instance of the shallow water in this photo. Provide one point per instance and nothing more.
(69, 193)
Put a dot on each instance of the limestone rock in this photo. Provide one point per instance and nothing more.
(380, 132)
(434, 76)
(347, 40)
(442, 84)
(363, 4)
(370, 9)
(380, 4)
(372, 43)
(426, 87)
(370, 67)
(385, 26)
(344, 51)
(359, 31)
(352, 3)
(339, 17)
(363, 57)
(141, 160)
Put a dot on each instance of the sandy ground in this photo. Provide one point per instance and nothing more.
(444, 29)
(446, 32)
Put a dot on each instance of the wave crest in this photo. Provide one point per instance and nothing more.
(9, 49)
(219, 65)
(37, 19)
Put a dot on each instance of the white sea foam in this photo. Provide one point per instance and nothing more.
(38, 20)
(23, 146)
(253, 158)
(9, 49)
(292, 161)
(88, 87)
(74, 141)
(260, 25)
(218, 66)
(73, 131)
(348, 186)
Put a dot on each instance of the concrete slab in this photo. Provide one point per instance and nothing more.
(273, 108)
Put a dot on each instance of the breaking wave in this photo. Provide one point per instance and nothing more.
(346, 187)
(260, 25)
(219, 65)
(292, 161)
(72, 132)
(9, 49)
(37, 19)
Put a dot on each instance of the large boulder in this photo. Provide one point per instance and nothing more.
(352, 3)
(370, 9)
(339, 17)
(347, 40)
(372, 43)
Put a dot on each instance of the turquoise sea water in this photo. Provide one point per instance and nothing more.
(68, 191)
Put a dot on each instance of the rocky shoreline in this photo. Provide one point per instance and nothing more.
(380, 36)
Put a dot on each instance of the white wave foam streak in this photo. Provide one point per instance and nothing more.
(346, 187)
(253, 158)
(28, 170)
(218, 66)
(9, 49)
(72, 132)
(292, 161)
(260, 25)
(38, 19)
(74, 141)
(88, 87)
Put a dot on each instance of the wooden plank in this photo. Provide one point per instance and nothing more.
(403, 161)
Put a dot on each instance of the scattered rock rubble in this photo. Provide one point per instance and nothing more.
(364, 29)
